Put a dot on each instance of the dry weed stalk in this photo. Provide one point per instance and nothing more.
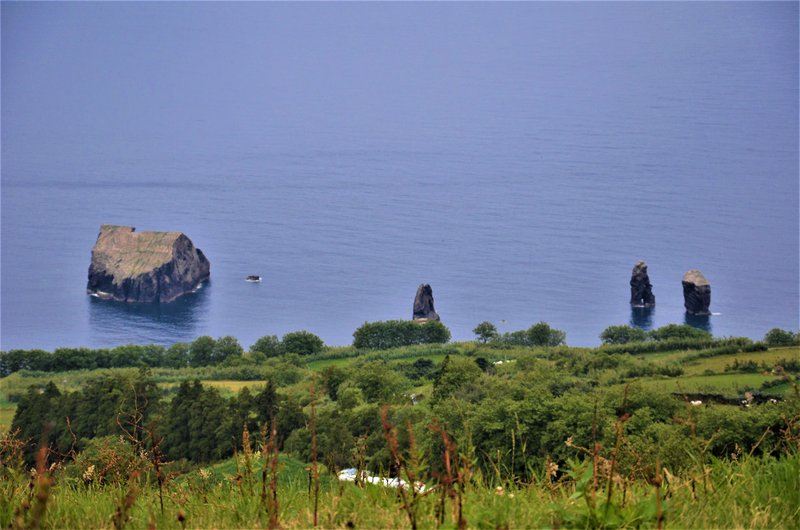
(247, 458)
(12, 449)
(409, 466)
(270, 469)
(314, 470)
(448, 480)
(360, 456)
(123, 512)
(620, 424)
(41, 480)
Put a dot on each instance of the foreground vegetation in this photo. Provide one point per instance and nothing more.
(751, 492)
(673, 429)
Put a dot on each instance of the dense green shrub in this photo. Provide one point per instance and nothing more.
(654, 346)
(539, 334)
(780, 337)
(679, 331)
(302, 343)
(622, 335)
(397, 333)
(269, 345)
(455, 373)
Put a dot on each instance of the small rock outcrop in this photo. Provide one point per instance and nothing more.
(130, 266)
(641, 289)
(696, 293)
(423, 304)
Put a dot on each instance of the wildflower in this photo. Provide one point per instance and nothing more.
(88, 475)
(551, 469)
(569, 442)
(204, 473)
(499, 490)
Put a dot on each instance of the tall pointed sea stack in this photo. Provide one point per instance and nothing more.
(641, 290)
(696, 293)
(130, 266)
(423, 304)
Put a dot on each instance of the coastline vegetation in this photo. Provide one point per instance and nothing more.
(673, 429)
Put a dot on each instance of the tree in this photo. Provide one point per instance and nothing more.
(201, 351)
(265, 403)
(456, 373)
(485, 331)
(302, 343)
(269, 345)
(225, 347)
(622, 335)
(332, 377)
(177, 355)
(541, 334)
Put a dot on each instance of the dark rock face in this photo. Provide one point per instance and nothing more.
(641, 290)
(130, 266)
(423, 304)
(696, 293)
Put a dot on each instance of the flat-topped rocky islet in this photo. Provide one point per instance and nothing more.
(130, 266)
(696, 293)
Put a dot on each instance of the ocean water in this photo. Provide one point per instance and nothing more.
(519, 157)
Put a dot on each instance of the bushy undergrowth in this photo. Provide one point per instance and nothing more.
(613, 483)
(398, 333)
(513, 436)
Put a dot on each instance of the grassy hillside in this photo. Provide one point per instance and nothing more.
(501, 436)
(748, 493)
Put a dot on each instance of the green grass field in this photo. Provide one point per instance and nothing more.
(728, 385)
(324, 363)
(750, 493)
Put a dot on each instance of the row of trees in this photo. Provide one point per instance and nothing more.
(203, 351)
(539, 334)
(207, 351)
(198, 424)
(627, 334)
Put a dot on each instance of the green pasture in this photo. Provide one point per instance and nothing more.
(728, 385)
(324, 363)
(718, 363)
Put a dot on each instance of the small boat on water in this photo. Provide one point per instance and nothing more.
(253, 278)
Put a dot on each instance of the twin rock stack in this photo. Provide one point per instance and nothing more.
(696, 290)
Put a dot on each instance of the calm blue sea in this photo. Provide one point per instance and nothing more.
(519, 157)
